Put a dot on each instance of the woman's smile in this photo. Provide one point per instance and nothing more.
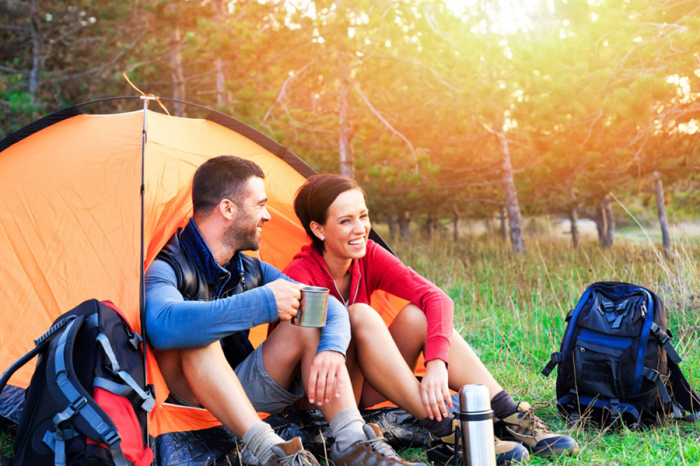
(347, 228)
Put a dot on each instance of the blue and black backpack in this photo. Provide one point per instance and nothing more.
(616, 361)
(87, 402)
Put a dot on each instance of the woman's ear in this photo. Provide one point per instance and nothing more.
(317, 230)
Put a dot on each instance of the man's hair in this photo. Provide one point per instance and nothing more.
(222, 177)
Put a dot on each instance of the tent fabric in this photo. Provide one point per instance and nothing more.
(70, 216)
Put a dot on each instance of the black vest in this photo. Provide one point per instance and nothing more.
(194, 286)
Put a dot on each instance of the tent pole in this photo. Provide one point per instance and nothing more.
(142, 279)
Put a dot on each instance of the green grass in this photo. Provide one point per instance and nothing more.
(6, 442)
(511, 310)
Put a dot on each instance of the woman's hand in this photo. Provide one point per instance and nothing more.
(434, 389)
(326, 373)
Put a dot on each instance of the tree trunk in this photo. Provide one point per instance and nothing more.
(489, 226)
(455, 223)
(344, 124)
(220, 17)
(573, 216)
(663, 220)
(430, 224)
(404, 225)
(504, 228)
(602, 219)
(36, 53)
(609, 221)
(176, 72)
(391, 222)
(601, 224)
(511, 195)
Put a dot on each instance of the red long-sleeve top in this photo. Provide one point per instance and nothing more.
(380, 270)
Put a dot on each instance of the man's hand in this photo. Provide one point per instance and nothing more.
(326, 373)
(287, 296)
(434, 389)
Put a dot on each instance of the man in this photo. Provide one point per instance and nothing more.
(202, 297)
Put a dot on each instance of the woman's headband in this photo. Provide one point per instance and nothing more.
(308, 201)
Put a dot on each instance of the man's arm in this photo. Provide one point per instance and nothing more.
(174, 323)
(335, 336)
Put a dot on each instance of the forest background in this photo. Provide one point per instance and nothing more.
(454, 109)
(447, 112)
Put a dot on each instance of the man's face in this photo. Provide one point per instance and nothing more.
(245, 230)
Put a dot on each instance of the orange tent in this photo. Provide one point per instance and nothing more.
(70, 219)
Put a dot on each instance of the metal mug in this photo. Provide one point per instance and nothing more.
(312, 307)
(476, 419)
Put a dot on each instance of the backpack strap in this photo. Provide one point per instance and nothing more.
(665, 340)
(648, 311)
(654, 376)
(40, 343)
(131, 389)
(686, 404)
(84, 414)
(573, 403)
(571, 317)
(555, 359)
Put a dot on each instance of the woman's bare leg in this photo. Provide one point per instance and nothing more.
(410, 330)
(375, 357)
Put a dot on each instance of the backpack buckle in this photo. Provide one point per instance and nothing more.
(660, 334)
(135, 341)
(111, 438)
(658, 379)
(554, 359)
(615, 408)
(78, 404)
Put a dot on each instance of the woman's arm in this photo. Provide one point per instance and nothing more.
(386, 272)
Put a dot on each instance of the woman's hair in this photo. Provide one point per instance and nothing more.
(315, 196)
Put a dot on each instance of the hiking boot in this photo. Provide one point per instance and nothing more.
(291, 453)
(441, 449)
(524, 427)
(371, 452)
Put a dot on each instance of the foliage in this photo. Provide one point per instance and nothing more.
(592, 96)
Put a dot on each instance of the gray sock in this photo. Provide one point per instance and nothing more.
(503, 405)
(347, 427)
(260, 439)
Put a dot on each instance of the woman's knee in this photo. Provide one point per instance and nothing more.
(411, 318)
(364, 319)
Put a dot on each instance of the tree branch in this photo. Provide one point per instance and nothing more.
(476, 199)
(282, 94)
(388, 125)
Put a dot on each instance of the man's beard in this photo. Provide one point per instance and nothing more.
(242, 238)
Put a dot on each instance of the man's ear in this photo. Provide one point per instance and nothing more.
(317, 230)
(228, 209)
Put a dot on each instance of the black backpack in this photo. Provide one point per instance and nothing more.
(87, 401)
(616, 361)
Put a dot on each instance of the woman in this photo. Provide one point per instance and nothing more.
(381, 360)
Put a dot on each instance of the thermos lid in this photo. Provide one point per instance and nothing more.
(474, 398)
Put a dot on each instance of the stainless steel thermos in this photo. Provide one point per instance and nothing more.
(476, 424)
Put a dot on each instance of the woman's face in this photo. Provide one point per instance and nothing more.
(347, 227)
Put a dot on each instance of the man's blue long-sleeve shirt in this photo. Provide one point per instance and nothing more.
(174, 323)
